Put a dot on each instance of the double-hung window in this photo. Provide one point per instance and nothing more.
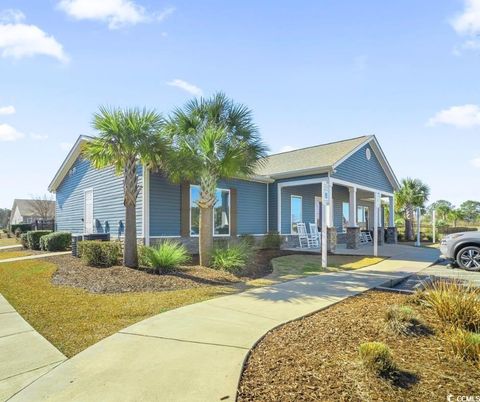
(296, 212)
(221, 212)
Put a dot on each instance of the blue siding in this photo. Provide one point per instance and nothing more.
(108, 208)
(359, 170)
(165, 204)
(308, 193)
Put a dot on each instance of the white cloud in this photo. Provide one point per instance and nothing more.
(38, 137)
(116, 13)
(468, 22)
(465, 116)
(66, 146)
(287, 148)
(7, 110)
(475, 162)
(186, 86)
(9, 133)
(18, 40)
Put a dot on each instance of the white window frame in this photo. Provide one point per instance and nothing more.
(85, 209)
(213, 213)
(344, 226)
(301, 217)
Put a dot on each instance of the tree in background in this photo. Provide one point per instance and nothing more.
(471, 211)
(442, 208)
(456, 215)
(42, 207)
(128, 138)
(214, 138)
(4, 217)
(413, 193)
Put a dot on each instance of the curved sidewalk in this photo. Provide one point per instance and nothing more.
(196, 353)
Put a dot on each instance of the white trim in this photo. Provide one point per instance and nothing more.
(302, 182)
(301, 219)
(325, 197)
(146, 205)
(301, 172)
(317, 199)
(268, 209)
(279, 208)
(213, 213)
(358, 186)
(90, 189)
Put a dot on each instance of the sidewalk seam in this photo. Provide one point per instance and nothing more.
(17, 333)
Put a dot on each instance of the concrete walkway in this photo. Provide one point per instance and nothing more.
(35, 256)
(196, 353)
(24, 354)
(10, 247)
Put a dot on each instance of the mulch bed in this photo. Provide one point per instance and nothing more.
(73, 272)
(316, 358)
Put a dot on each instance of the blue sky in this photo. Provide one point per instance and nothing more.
(312, 71)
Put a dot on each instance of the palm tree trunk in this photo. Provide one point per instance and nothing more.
(206, 235)
(409, 223)
(131, 191)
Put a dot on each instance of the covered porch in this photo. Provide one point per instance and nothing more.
(344, 213)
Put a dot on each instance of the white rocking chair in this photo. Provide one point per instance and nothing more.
(315, 236)
(365, 238)
(303, 238)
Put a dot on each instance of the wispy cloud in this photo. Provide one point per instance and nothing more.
(18, 40)
(38, 137)
(186, 86)
(475, 162)
(116, 13)
(465, 116)
(467, 24)
(65, 146)
(9, 133)
(287, 148)
(7, 110)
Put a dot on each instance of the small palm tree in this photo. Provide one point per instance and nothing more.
(412, 194)
(213, 138)
(128, 138)
(455, 215)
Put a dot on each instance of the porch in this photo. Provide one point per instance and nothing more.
(342, 211)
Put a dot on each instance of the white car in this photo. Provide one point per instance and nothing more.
(463, 248)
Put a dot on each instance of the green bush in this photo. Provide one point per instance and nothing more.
(248, 240)
(272, 240)
(23, 227)
(376, 356)
(164, 257)
(231, 258)
(56, 241)
(24, 240)
(33, 238)
(401, 320)
(99, 253)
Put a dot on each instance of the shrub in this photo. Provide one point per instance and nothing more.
(24, 240)
(165, 257)
(18, 232)
(56, 241)
(99, 253)
(401, 320)
(455, 303)
(231, 258)
(248, 240)
(464, 344)
(376, 356)
(33, 238)
(272, 241)
(23, 227)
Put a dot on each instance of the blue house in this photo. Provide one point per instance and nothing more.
(341, 186)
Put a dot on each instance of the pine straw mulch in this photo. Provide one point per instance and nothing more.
(73, 272)
(316, 358)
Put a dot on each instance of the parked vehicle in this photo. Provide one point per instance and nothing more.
(462, 248)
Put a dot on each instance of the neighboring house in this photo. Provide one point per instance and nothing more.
(286, 190)
(28, 211)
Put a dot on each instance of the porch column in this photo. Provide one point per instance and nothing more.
(326, 202)
(352, 218)
(330, 205)
(279, 208)
(391, 215)
(376, 210)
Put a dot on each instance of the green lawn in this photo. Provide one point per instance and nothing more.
(73, 319)
(297, 265)
(5, 241)
(13, 254)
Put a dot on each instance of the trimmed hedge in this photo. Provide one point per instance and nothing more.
(24, 227)
(99, 253)
(33, 238)
(24, 240)
(56, 241)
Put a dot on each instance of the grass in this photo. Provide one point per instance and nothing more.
(377, 357)
(73, 319)
(465, 345)
(13, 254)
(5, 241)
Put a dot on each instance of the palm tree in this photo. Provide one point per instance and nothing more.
(455, 215)
(128, 138)
(213, 138)
(412, 194)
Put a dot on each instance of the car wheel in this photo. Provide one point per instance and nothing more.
(469, 258)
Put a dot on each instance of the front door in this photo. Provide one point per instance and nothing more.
(318, 212)
(88, 216)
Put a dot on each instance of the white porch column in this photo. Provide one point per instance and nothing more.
(330, 204)
(352, 218)
(146, 205)
(326, 201)
(391, 215)
(376, 211)
(279, 208)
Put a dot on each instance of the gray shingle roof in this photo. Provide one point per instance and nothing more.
(27, 207)
(316, 157)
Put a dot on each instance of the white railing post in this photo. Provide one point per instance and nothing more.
(376, 208)
(434, 226)
(325, 202)
(417, 243)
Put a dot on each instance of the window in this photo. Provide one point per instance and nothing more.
(362, 217)
(345, 214)
(295, 212)
(221, 212)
